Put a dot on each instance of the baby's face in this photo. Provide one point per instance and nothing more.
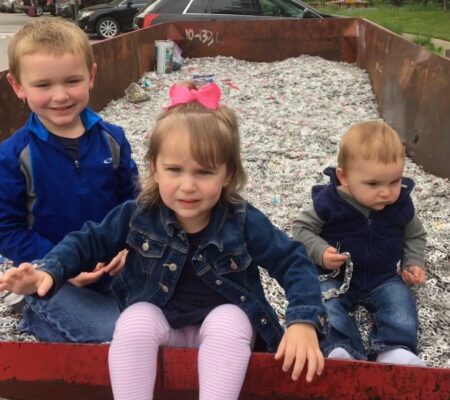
(372, 184)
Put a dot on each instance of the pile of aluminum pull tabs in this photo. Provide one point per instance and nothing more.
(292, 114)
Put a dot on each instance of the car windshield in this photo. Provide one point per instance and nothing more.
(116, 2)
(281, 8)
(152, 6)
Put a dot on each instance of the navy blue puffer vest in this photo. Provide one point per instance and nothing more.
(375, 243)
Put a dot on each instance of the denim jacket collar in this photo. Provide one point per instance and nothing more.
(169, 226)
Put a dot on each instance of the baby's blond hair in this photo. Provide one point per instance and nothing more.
(370, 140)
(54, 36)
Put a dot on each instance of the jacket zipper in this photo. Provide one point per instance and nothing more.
(366, 263)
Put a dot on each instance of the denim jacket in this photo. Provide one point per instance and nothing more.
(239, 239)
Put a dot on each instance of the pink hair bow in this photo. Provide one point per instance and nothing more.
(207, 95)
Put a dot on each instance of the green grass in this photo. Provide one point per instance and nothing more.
(429, 21)
(426, 42)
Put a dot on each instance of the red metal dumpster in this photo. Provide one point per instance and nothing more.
(42, 371)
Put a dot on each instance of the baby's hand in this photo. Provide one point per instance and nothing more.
(413, 275)
(26, 279)
(331, 259)
(300, 345)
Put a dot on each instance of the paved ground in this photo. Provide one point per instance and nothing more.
(9, 24)
(444, 45)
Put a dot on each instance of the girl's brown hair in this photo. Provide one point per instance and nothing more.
(370, 140)
(214, 140)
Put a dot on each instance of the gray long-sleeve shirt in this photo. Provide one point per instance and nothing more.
(308, 226)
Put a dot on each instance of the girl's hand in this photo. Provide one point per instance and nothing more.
(26, 279)
(298, 347)
(413, 275)
(331, 259)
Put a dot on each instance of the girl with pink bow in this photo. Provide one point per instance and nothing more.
(191, 278)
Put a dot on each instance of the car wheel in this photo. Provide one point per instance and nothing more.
(107, 28)
(39, 10)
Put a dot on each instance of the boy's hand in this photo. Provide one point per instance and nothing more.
(112, 268)
(26, 279)
(299, 346)
(413, 275)
(86, 278)
(331, 259)
(116, 265)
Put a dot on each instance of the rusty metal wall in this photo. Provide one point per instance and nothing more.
(412, 86)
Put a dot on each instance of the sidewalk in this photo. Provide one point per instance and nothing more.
(4, 40)
(445, 46)
(437, 42)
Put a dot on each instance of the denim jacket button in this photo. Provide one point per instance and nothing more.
(173, 267)
(218, 282)
(145, 246)
(164, 288)
(200, 257)
(242, 298)
(263, 321)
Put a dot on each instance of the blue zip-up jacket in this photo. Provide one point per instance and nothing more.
(45, 194)
(375, 243)
(238, 239)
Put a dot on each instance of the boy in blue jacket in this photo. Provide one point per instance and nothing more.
(66, 166)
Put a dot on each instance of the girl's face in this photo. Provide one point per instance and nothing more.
(56, 88)
(185, 186)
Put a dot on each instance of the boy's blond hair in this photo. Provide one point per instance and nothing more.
(214, 140)
(370, 140)
(54, 36)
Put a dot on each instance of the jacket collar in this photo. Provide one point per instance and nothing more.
(219, 214)
(88, 117)
(145, 219)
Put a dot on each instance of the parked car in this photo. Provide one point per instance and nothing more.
(8, 6)
(64, 8)
(24, 5)
(196, 10)
(108, 20)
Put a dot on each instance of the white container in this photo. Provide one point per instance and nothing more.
(163, 56)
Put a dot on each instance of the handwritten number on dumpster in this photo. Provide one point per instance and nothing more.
(203, 35)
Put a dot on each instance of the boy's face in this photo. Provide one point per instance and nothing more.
(56, 88)
(372, 184)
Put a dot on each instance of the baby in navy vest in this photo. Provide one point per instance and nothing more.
(365, 217)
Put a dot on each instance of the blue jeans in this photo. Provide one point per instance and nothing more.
(74, 314)
(393, 309)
